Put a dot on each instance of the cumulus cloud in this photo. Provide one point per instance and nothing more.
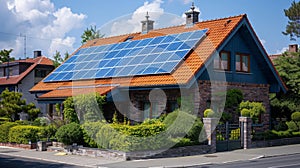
(284, 49)
(45, 27)
(132, 23)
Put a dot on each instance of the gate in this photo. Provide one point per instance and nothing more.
(228, 137)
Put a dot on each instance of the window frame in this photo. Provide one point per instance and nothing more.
(220, 65)
(241, 55)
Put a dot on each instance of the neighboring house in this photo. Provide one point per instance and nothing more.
(22, 75)
(292, 48)
(227, 46)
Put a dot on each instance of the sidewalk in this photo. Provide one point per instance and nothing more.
(216, 158)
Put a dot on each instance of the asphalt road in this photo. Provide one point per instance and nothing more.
(288, 161)
(18, 162)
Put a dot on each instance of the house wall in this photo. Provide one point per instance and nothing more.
(26, 84)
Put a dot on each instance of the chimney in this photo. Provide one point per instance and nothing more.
(192, 16)
(37, 54)
(293, 48)
(147, 24)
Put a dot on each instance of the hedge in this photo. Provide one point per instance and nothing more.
(90, 129)
(69, 134)
(4, 130)
(132, 138)
(22, 134)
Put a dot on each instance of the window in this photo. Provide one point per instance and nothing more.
(40, 73)
(223, 61)
(242, 63)
(151, 110)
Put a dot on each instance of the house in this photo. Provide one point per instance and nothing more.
(22, 75)
(144, 74)
(291, 49)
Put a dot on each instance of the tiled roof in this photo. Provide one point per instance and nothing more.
(13, 80)
(70, 91)
(218, 31)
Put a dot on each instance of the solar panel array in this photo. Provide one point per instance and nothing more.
(156, 55)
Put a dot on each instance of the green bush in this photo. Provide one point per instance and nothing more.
(296, 134)
(209, 113)
(245, 113)
(132, 138)
(256, 109)
(48, 132)
(282, 134)
(233, 98)
(40, 121)
(69, 134)
(182, 124)
(22, 134)
(180, 142)
(235, 134)
(4, 130)
(295, 116)
(293, 125)
(90, 130)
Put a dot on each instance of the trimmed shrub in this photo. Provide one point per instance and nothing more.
(48, 132)
(22, 134)
(90, 130)
(4, 130)
(209, 113)
(69, 134)
(293, 126)
(295, 116)
(182, 124)
(245, 113)
(256, 109)
(106, 134)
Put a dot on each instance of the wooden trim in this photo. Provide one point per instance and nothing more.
(241, 62)
(220, 61)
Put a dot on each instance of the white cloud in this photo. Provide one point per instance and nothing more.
(132, 23)
(45, 26)
(284, 49)
(187, 1)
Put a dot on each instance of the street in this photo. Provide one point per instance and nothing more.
(18, 162)
(286, 161)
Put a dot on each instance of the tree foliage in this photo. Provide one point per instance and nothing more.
(32, 111)
(90, 34)
(293, 26)
(85, 107)
(254, 109)
(288, 67)
(58, 59)
(4, 55)
(11, 104)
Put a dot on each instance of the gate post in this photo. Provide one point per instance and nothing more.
(210, 125)
(246, 124)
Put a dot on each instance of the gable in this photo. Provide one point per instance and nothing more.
(244, 43)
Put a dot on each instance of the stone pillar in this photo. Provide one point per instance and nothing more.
(210, 129)
(246, 124)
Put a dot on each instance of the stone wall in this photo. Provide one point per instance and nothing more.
(275, 142)
(119, 155)
(251, 92)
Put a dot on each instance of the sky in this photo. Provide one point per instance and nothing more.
(56, 25)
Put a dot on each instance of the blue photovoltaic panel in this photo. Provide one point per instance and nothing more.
(156, 55)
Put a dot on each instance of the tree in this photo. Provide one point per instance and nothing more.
(293, 26)
(288, 67)
(4, 55)
(31, 110)
(58, 58)
(11, 104)
(90, 34)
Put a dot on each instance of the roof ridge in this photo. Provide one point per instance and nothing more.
(204, 21)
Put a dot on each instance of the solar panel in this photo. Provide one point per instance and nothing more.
(156, 55)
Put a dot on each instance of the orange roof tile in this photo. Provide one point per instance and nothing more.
(12, 80)
(69, 92)
(218, 31)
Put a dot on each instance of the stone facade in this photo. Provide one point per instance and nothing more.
(201, 96)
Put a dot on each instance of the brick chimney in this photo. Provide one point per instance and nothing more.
(37, 54)
(293, 48)
(147, 24)
(192, 16)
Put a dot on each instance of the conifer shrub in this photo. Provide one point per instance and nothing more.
(69, 134)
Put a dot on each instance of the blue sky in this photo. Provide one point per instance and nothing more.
(52, 25)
